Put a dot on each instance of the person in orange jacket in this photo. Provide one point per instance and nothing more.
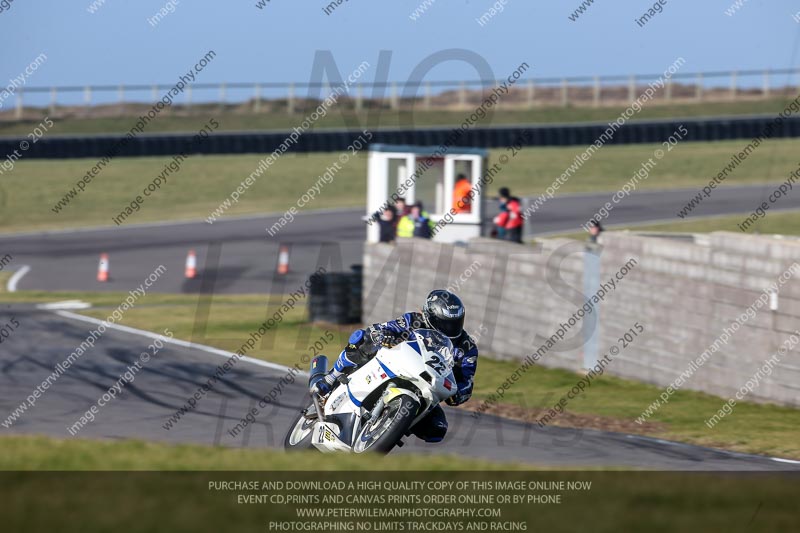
(462, 203)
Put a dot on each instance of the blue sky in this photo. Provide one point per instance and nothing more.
(278, 43)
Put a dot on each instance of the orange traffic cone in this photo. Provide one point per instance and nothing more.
(191, 265)
(102, 268)
(283, 260)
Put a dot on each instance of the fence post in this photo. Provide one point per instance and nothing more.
(53, 96)
(591, 284)
(394, 102)
(596, 92)
(290, 100)
(427, 100)
(359, 97)
(564, 92)
(19, 108)
(699, 87)
(632, 88)
(531, 94)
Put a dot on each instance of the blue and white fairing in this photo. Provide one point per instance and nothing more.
(421, 367)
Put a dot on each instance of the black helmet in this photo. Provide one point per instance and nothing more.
(443, 311)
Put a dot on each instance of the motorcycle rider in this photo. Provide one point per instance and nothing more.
(442, 311)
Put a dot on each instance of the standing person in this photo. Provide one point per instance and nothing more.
(499, 230)
(423, 225)
(402, 207)
(513, 223)
(388, 225)
(595, 229)
(462, 202)
(400, 210)
(415, 224)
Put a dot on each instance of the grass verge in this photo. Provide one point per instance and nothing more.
(775, 223)
(204, 182)
(38, 453)
(4, 277)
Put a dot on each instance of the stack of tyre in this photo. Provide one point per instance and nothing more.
(335, 297)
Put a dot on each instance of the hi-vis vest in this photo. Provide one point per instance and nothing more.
(405, 228)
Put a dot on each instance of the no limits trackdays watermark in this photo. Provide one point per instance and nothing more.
(20, 80)
(722, 340)
(639, 176)
(755, 380)
(38, 132)
(325, 179)
(126, 378)
(291, 140)
(88, 343)
(607, 136)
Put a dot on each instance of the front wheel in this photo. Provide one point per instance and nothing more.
(300, 434)
(383, 433)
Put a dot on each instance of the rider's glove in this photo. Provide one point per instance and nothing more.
(466, 364)
(323, 387)
(385, 338)
(391, 339)
(464, 393)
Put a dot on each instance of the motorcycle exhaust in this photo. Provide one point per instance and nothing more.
(319, 368)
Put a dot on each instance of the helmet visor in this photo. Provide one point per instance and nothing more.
(451, 327)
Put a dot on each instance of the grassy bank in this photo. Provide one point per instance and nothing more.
(204, 182)
(44, 453)
(246, 120)
(776, 222)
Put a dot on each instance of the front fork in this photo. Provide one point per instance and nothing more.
(376, 411)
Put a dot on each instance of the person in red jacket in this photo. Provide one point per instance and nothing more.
(512, 221)
(500, 221)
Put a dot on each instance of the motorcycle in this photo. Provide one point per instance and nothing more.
(374, 407)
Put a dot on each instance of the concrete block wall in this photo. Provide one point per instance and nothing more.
(684, 292)
(485, 274)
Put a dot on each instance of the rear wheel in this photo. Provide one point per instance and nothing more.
(300, 435)
(383, 433)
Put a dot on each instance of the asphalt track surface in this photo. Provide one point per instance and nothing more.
(45, 338)
(238, 256)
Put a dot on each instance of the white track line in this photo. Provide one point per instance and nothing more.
(790, 461)
(12, 283)
(177, 342)
(726, 452)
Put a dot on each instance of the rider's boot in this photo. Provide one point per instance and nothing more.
(344, 365)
